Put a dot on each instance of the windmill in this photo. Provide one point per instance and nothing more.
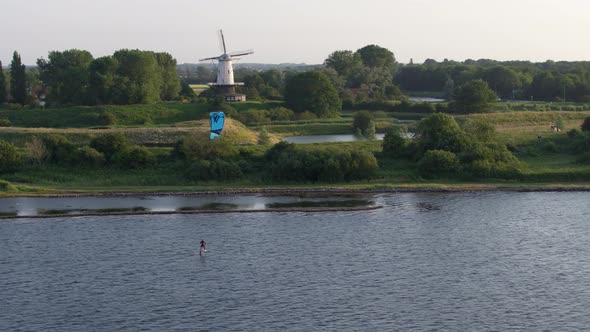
(225, 84)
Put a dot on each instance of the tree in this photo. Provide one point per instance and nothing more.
(263, 137)
(440, 131)
(141, 77)
(362, 122)
(103, 80)
(312, 91)
(186, 91)
(67, 76)
(502, 80)
(110, 144)
(18, 80)
(374, 56)
(474, 97)
(9, 158)
(170, 83)
(394, 144)
(436, 163)
(3, 92)
(586, 124)
(559, 123)
(343, 62)
(133, 157)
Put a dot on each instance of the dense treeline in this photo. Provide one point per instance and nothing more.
(548, 81)
(74, 77)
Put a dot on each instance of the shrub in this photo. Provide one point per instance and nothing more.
(305, 116)
(437, 163)
(90, 157)
(10, 160)
(586, 124)
(229, 111)
(109, 144)
(59, 149)
(584, 158)
(216, 169)
(134, 157)
(394, 144)
(574, 133)
(194, 147)
(6, 186)
(288, 163)
(5, 123)
(440, 131)
(253, 116)
(281, 114)
(36, 150)
(224, 170)
(107, 119)
(363, 123)
(263, 137)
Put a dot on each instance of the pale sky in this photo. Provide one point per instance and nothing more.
(300, 31)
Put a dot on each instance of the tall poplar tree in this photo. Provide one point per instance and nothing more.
(18, 81)
(2, 86)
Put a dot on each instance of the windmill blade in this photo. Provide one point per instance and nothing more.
(241, 53)
(212, 58)
(221, 41)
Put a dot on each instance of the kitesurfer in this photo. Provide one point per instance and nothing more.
(203, 244)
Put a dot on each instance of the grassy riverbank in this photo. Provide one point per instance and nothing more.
(547, 161)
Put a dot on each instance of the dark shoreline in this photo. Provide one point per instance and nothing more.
(305, 191)
(139, 213)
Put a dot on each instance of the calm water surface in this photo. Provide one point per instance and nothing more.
(328, 138)
(425, 262)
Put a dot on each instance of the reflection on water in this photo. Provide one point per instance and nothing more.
(32, 206)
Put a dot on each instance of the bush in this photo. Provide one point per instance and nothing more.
(440, 131)
(281, 114)
(229, 111)
(5, 123)
(253, 116)
(107, 119)
(109, 144)
(216, 169)
(133, 157)
(6, 186)
(224, 170)
(305, 116)
(15, 107)
(194, 147)
(288, 163)
(584, 158)
(10, 160)
(394, 145)
(263, 137)
(364, 124)
(90, 157)
(59, 149)
(586, 124)
(574, 133)
(438, 163)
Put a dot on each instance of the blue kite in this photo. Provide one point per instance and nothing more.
(217, 122)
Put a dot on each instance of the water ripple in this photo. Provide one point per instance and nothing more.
(449, 262)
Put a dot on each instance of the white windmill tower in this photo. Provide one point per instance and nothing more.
(225, 84)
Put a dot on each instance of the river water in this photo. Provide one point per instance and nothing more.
(492, 261)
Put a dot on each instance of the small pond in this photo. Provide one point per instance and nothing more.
(327, 138)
